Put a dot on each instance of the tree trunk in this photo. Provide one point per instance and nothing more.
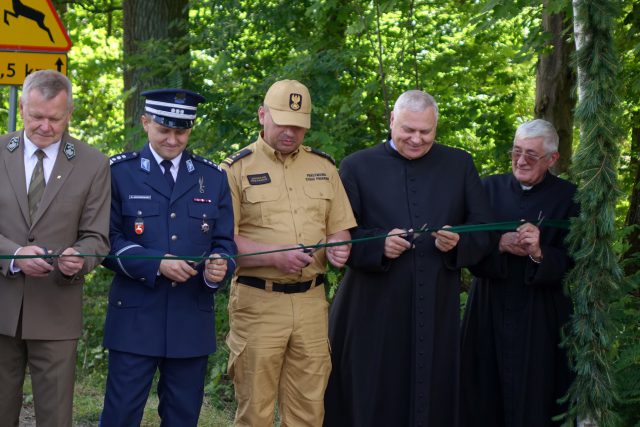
(555, 80)
(145, 20)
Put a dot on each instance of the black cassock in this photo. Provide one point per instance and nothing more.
(513, 370)
(394, 324)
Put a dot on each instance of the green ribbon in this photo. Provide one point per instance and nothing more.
(460, 229)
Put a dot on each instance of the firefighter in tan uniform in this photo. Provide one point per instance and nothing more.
(284, 195)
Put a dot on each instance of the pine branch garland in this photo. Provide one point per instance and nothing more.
(596, 275)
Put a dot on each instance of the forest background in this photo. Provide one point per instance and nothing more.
(491, 65)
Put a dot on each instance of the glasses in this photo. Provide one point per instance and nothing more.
(529, 158)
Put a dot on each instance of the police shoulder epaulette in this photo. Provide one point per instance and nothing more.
(237, 156)
(122, 157)
(205, 161)
(322, 154)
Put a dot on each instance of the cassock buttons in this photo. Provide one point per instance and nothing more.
(174, 237)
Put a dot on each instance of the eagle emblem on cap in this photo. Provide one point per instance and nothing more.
(295, 101)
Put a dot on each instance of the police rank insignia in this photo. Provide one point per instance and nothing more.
(13, 144)
(145, 165)
(190, 166)
(69, 150)
(201, 185)
(295, 101)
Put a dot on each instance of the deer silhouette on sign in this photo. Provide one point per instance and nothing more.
(20, 9)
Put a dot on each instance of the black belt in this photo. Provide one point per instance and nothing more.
(287, 288)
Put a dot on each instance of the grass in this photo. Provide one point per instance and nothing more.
(87, 405)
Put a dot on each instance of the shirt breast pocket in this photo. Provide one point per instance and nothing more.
(260, 205)
(139, 216)
(202, 222)
(319, 196)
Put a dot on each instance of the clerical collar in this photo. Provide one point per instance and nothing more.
(526, 187)
(393, 145)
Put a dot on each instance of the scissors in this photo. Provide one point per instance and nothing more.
(413, 235)
(51, 255)
(311, 250)
(197, 264)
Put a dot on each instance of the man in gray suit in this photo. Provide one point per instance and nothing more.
(54, 200)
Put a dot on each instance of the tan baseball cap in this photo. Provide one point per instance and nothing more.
(289, 103)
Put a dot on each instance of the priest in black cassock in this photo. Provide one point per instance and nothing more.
(513, 369)
(394, 322)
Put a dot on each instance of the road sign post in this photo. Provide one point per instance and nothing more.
(16, 66)
(32, 38)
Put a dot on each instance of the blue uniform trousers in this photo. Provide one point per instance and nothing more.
(180, 389)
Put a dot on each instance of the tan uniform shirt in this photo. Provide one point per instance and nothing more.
(296, 200)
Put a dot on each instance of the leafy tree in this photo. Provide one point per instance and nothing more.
(555, 79)
(157, 30)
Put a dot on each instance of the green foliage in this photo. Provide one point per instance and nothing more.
(625, 313)
(219, 387)
(476, 58)
(597, 275)
(92, 357)
(95, 69)
(356, 57)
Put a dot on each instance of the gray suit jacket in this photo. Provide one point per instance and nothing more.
(74, 212)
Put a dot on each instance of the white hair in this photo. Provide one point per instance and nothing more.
(416, 101)
(539, 128)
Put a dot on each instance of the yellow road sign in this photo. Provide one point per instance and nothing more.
(15, 66)
(32, 25)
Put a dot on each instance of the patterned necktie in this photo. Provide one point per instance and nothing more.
(36, 186)
(166, 164)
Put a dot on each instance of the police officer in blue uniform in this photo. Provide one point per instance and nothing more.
(166, 202)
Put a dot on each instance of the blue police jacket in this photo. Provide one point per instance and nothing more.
(148, 314)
